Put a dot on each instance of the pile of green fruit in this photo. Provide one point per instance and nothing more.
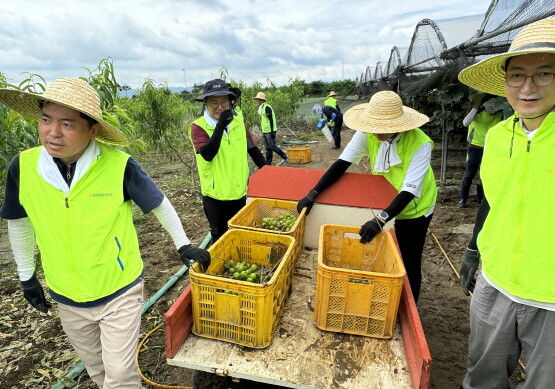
(282, 223)
(244, 271)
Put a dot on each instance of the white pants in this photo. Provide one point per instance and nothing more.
(106, 337)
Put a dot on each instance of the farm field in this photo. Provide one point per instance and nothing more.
(35, 354)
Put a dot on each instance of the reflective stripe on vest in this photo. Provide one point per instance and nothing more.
(225, 177)
(88, 244)
(409, 142)
(516, 242)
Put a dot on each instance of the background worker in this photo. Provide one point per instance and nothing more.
(479, 120)
(268, 126)
(72, 195)
(335, 123)
(387, 132)
(332, 101)
(221, 144)
(512, 310)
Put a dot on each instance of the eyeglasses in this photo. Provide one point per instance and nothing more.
(215, 104)
(515, 80)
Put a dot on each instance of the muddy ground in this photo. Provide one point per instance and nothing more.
(35, 354)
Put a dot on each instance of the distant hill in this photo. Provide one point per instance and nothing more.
(176, 89)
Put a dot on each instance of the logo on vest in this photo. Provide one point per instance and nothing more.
(109, 194)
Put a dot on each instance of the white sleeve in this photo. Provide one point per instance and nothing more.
(22, 239)
(169, 219)
(419, 163)
(470, 117)
(356, 149)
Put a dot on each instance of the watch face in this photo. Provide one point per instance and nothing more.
(383, 215)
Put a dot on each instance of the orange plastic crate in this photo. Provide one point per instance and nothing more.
(299, 154)
(358, 286)
(249, 315)
(259, 208)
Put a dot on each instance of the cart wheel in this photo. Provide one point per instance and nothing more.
(205, 380)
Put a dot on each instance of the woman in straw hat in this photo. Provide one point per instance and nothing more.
(388, 133)
(513, 306)
(222, 143)
(73, 194)
(268, 126)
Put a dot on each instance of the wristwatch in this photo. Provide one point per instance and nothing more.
(383, 216)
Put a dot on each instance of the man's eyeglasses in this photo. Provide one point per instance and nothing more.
(514, 80)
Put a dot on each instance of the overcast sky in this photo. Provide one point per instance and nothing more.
(185, 42)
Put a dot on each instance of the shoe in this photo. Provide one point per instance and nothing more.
(333, 147)
(462, 204)
(285, 161)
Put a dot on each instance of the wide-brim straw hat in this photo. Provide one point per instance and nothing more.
(488, 75)
(73, 93)
(261, 96)
(332, 93)
(384, 114)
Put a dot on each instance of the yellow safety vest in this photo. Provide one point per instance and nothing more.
(226, 176)
(87, 240)
(265, 121)
(516, 242)
(409, 142)
(480, 125)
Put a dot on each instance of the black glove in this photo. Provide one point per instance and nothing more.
(273, 134)
(189, 254)
(34, 294)
(307, 202)
(370, 229)
(468, 270)
(225, 118)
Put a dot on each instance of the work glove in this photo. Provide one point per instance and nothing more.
(307, 202)
(370, 229)
(189, 254)
(468, 270)
(225, 118)
(34, 294)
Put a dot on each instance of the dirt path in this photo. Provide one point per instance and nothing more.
(35, 354)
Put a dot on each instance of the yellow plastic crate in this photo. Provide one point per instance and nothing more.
(299, 154)
(249, 315)
(259, 208)
(358, 286)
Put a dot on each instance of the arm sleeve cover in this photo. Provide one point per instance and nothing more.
(211, 148)
(169, 219)
(22, 239)
(256, 156)
(480, 219)
(399, 203)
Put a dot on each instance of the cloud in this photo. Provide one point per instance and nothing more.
(253, 39)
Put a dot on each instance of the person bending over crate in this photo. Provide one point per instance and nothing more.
(387, 132)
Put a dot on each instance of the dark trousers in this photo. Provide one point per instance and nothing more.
(411, 235)
(271, 147)
(336, 131)
(473, 161)
(218, 213)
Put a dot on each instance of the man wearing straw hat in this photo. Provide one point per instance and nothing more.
(222, 143)
(388, 133)
(512, 310)
(268, 126)
(72, 195)
(332, 101)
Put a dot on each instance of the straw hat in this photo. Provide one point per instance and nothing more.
(489, 75)
(73, 93)
(384, 114)
(261, 96)
(332, 93)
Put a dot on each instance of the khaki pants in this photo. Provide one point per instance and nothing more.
(106, 337)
